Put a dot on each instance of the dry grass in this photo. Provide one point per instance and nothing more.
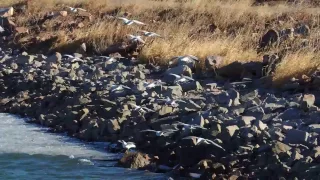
(185, 28)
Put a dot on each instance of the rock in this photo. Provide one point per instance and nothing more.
(213, 62)
(280, 147)
(172, 91)
(134, 160)
(165, 110)
(140, 75)
(294, 136)
(113, 126)
(25, 59)
(56, 58)
(63, 13)
(21, 30)
(303, 30)
(192, 85)
(224, 99)
(180, 70)
(229, 132)
(246, 120)
(270, 38)
(289, 114)
(307, 101)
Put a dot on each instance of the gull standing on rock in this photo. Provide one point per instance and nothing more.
(129, 22)
(136, 38)
(109, 59)
(187, 59)
(127, 145)
(150, 34)
(181, 78)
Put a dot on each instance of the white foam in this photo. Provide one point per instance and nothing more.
(17, 136)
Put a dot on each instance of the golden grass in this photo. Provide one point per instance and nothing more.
(184, 27)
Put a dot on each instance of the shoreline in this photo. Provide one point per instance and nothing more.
(231, 111)
(212, 130)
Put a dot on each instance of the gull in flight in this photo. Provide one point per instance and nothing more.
(150, 34)
(136, 38)
(118, 88)
(141, 109)
(129, 22)
(181, 78)
(187, 59)
(74, 10)
(152, 84)
(73, 59)
(171, 102)
(127, 145)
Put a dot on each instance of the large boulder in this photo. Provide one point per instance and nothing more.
(134, 160)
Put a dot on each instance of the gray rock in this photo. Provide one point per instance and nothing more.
(140, 75)
(291, 113)
(25, 59)
(56, 58)
(172, 91)
(294, 136)
(192, 85)
(246, 120)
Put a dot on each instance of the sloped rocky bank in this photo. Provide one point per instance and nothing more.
(201, 128)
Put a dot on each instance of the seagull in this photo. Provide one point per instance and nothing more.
(74, 10)
(152, 84)
(1, 29)
(187, 59)
(127, 145)
(109, 59)
(136, 38)
(150, 34)
(141, 109)
(74, 59)
(118, 88)
(181, 78)
(171, 102)
(129, 22)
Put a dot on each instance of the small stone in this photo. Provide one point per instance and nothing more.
(63, 13)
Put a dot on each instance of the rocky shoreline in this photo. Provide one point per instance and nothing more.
(203, 128)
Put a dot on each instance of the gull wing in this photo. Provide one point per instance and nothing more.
(124, 19)
(175, 75)
(138, 22)
(68, 56)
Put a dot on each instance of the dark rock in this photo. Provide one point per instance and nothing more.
(134, 160)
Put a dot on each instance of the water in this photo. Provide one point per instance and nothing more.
(30, 152)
